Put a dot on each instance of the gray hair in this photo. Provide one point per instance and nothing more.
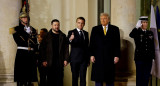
(105, 14)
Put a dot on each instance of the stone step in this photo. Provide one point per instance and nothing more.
(8, 84)
(125, 81)
(13, 84)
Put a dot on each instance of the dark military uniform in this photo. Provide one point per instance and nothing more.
(25, 61)
(144, 54)
(144, 42)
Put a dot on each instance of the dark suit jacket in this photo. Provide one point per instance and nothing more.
(104, 49)
(79, 48)
(46, 49)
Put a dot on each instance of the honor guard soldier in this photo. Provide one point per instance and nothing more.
(24, 35)
(144, 51)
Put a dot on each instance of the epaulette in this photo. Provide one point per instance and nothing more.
(12, 30)
(158, 30)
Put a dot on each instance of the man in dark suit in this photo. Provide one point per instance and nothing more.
(144, 52)
(105, 51)
(55, 51)
(41, 68)
(79, 56)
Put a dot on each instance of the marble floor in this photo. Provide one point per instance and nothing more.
(117, 83)
(129, 81)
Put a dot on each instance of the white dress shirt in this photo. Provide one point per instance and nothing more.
(106, 27)
(80, 32)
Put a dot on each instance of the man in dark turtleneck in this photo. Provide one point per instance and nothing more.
(55, 51)
(25, 70)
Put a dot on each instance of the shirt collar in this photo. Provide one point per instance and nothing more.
(143, 30)
(104, 26)
(78, 29)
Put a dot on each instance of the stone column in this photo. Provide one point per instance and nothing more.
(9, 15)
(123, 15)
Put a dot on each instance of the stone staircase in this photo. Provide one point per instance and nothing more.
(13, 84)
(126, 81)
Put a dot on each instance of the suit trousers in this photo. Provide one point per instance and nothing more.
(79, 68)
(43, 75)
(55, 77)
(143, 72)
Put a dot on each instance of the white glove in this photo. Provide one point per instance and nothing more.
(138, 25)
(28, 30)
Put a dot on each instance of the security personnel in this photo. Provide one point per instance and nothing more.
(25, 70)
(144, 52)
(41, 68)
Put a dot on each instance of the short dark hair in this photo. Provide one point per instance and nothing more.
(81, 18)
(54, 20)
(37, 35)
(44, 29)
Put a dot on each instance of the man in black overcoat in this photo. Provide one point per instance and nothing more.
(55, 52)
(105, 51)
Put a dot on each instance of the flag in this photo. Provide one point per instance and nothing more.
(156, 64)
(158, 23)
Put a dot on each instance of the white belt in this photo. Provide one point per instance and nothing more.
(24, 48)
